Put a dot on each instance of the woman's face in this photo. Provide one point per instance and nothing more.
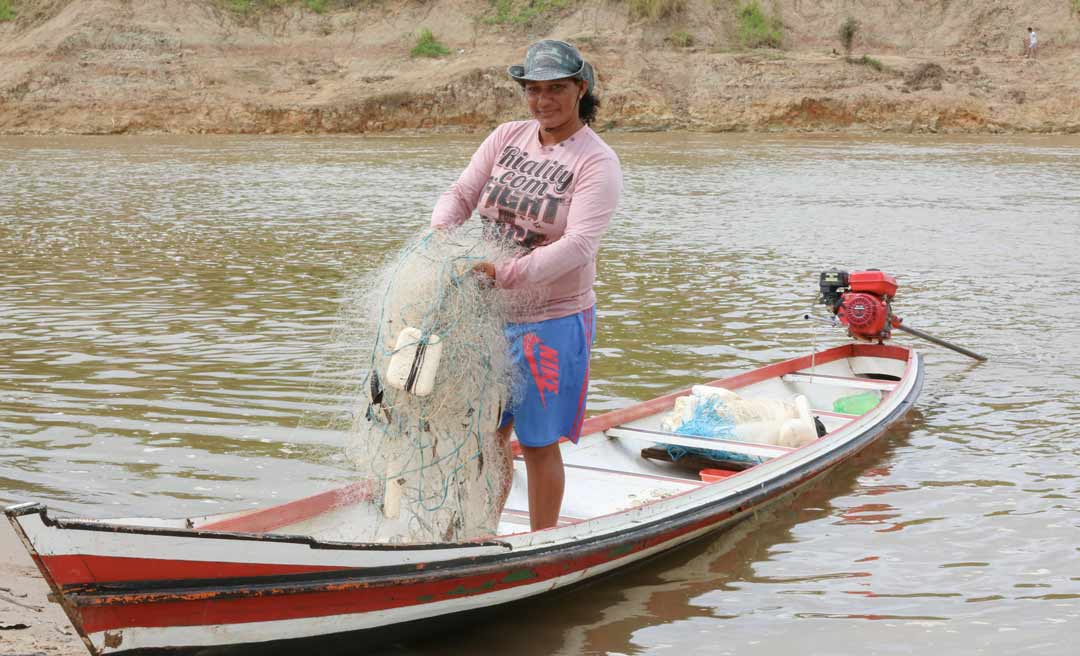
(554, 103)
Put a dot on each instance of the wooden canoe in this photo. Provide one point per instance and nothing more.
(283, 573)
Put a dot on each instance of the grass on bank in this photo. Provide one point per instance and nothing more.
(681, 39)
(6, 12)
(317, 6)
(523, 14)
(655, 9)
(867, 60)
(757, 29)
(428, 46)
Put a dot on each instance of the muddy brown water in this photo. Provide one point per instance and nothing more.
(165, 304)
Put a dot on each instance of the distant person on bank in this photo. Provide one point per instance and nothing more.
(550, 185)
(1033, 44)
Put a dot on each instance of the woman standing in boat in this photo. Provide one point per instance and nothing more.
(550, 185)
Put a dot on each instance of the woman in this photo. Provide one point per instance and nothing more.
(550, 184)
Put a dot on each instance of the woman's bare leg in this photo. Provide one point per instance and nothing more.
(544, 466)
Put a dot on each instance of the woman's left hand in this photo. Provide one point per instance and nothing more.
(485, 271)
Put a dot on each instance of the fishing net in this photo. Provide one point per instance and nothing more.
(715, 412)
(423, 433)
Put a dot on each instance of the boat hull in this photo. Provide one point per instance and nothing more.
(131, 587)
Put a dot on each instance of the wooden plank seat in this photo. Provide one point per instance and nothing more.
(515, 517)
(695, 461)
(830, 413)
(841, 381)
(661, 437)
(634, 475)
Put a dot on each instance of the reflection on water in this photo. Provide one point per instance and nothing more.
(166, 304)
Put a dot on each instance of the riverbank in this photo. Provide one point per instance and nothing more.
(29, 623)
(199, 67)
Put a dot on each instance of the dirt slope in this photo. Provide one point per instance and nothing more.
(192, 66)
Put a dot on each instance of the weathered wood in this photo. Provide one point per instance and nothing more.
(841, 381)
(712, 444)
(694, 461)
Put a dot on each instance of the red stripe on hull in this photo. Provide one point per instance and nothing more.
(199, 609)
(74, 569)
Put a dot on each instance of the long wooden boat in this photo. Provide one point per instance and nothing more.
(282, 573)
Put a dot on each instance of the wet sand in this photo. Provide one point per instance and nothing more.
(29, 623)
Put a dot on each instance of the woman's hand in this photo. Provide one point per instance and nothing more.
(485, 271)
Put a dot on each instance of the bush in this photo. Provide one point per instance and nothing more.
(6, 12)
(757, 29)
(655, 9)
(681, 39)
(848, 29)
(867, 60)
(428, 46)
(241, 6)
(506, 12)
(249, 6)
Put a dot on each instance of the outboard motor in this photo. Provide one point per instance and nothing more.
(862, 301)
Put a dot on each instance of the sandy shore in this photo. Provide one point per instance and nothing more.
(29, 623)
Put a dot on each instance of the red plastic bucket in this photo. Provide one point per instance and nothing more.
(713, 475)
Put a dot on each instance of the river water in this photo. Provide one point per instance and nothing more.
(166, 304)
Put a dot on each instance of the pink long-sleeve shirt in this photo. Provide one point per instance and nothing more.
(555, 202)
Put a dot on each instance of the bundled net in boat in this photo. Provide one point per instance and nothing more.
(715, 412)
(437, 473)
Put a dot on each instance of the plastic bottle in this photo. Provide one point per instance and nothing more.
(856, 404)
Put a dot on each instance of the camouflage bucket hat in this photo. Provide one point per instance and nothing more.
(552, 60)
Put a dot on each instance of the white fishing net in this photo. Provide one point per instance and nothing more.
(436, 470)
(720, 413)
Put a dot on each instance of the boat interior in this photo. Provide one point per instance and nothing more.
(634, 464)
(619, 466)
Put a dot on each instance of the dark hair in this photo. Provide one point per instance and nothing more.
(587, 107)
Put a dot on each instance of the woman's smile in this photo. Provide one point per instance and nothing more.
(554, 103)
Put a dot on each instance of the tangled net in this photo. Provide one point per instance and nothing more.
(437, 471)
(715, 412)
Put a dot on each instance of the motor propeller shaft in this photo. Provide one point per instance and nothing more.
(897, 323)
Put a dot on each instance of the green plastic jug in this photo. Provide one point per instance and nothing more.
(856, 404)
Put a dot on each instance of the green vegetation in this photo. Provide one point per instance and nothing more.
(587, 40)
(681, 39)
(527, 14)
(6, 12)
(655, 9)
(247, 6)
(251, 6)
(867, 60)
(848, 29)
(757, 29)
(428, 46)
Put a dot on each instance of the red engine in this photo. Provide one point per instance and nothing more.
(861, 301)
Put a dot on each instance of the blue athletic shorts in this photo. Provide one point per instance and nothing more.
(552, 362)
